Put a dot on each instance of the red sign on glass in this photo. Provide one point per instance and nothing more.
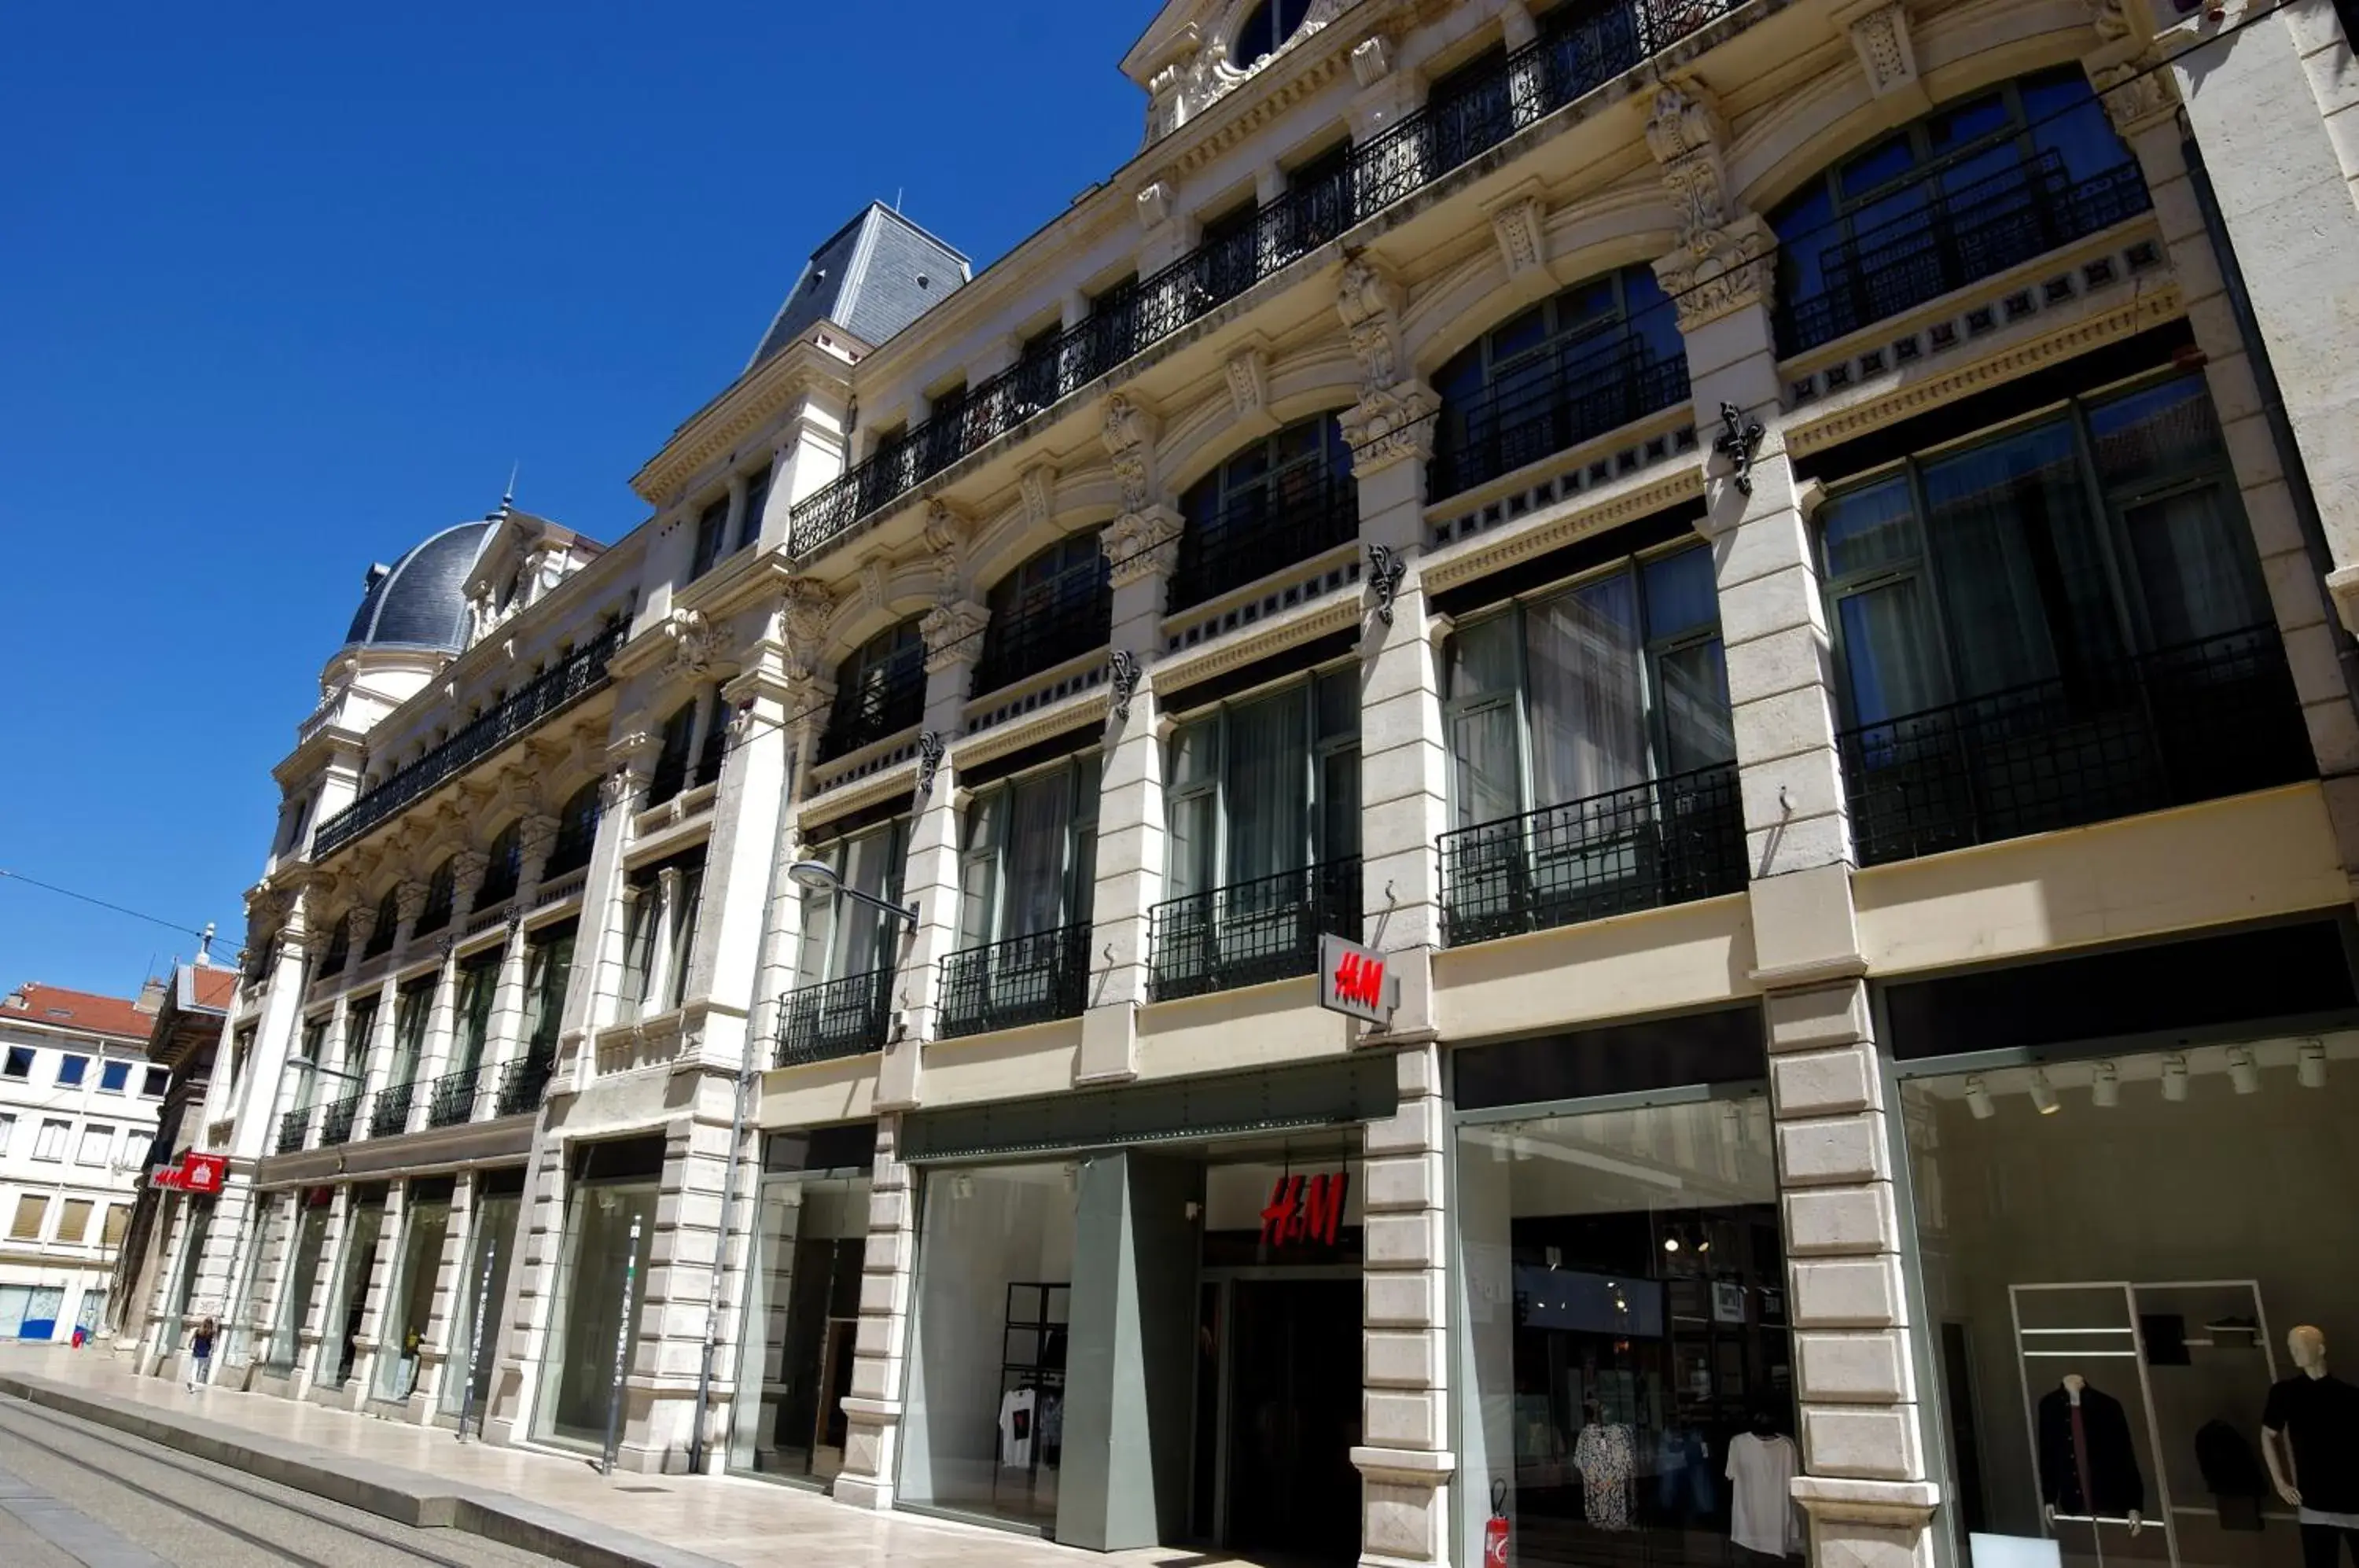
(1305, 1209)
(203, 1172)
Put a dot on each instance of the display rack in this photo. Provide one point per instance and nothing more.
(1032, 1342)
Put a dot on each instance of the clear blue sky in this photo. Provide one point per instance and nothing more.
(285, 286)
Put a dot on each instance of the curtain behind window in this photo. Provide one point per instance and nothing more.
(1482, 747)
(1588, 730)
(1998, 516)
(1041, 813)
(2192, 567)
(1267, 782)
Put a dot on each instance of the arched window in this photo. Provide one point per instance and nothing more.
(1978, 186)
(389, 916)
(1055, 606)
(577, 829)
(504, 863)
(441, 893)
(1285, 497)
(1270, 24)
(671, 763)
(880, 691)
(1591, 360)
(340, 945)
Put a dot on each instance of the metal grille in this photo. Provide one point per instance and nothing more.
(292, 1125)
(583, 672)
(1296, 516)
(389, 1116)
(1661, 843)
(1547, 404)
(523, 1084)
(1025, 979)
(834, 1017)
(336, 1127)
(2192, 722)
(1956, 237)
(1580, 50)
(1248, 932)
(1065, 616)
(888, 703)
(453, 1100)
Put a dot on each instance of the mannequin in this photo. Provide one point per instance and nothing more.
(2309, 1439)
(2087, 1463)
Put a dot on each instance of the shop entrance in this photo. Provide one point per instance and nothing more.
(1293, 1407)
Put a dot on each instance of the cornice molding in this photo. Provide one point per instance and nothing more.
(1340, 611)
(747, 405)
(1552, 529)
(901, 779)
(1070, 713)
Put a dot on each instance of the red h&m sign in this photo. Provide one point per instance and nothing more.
(1304, 1209)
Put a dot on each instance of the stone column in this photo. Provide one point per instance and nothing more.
(1406, 1461)
(871, 1450)
(314, 1331)
(1865, 1486)
(504, 1034)
(682, 1254)
(1142, 547)
(451, 1289)
(443, 1017)
(383, 1266)
(599, 944)
(805, 696)
(739, 869)
(516, 1380)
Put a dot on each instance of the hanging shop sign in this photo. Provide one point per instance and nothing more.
(1356, 981)
(1305, 1209)
(203, 1172)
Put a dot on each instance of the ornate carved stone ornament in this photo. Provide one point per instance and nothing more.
(1516, 224)
(1128, 432)
(1369, 300)
(948, 531)
(2134, 86)
(1124, 669)
(695, 644)
(1739, 441)
(1879, 34)
(1372, 61)
(1038, 487)
(536, 836)
(409, 903)
(953, 631)
(1154, 203)
(932, 748)
(1720, 262)
(1139, 545)
(1386, 570)
(875, 573)
(1394, 416)
(1248, 375)
(1389, 424)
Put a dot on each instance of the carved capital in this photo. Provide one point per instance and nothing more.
(694, 643)
(954, 633)
(1141, 544)
(1369, 300)
(467, 868)
(2134, 85)
(1715, 271)
(1389, 425)
(408, 901)
(875, 573)
(536, 836)
(1372, 61)
(808, 696)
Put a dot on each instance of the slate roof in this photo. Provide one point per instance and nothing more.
(865, 278)
(422, 601)
(58, 1007)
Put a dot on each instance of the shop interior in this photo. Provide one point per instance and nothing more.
(808, 1237)
(600, 1281)
(2113, 1252)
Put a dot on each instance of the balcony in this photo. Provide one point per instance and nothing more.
(1058, 621)
(1955, 238)
(2194, 723)
(336, 1125)
(453, 1098)
(524, 1083)
(1025, 979)
(1260, 532)
(584, 671)
(888, 701)
(1581, 50)
(1547, 405)
(1662, 842)
(1250, 932)
(389, 1115)
(292, 1125)
(835, 1018)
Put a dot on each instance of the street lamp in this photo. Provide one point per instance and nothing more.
(819, 877)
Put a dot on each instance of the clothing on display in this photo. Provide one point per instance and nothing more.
(1606, 1456)
(2323, 1545)
(1761, 1472)
(2319, 1416)
(2087, 1466)
(2231, 1474)
(1684, 1472)
(1015, 1411)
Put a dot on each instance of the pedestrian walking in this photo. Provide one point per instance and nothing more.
(200, 1355)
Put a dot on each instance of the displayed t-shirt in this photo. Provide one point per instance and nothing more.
(2319, 1416)
(1604, 1454)
(1761, 1513)
(1015, 1407)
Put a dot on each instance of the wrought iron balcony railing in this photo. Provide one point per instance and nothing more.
(1025, 979)
(1956, 237)
(524, 1083)
(1550, 403)
(2194, 723)
(292, 1125)
(888, 703)
(1056, 622)
(453, 1099)
(389, 1115)
(336, 1125)
(584, 671)
(1583, 46)
(1264, 530)
(835, 1018)
(1248, 932)
(1665, 841)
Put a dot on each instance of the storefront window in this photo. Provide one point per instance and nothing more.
(410, 1300)
(265, 1237)
(2115, 1256)
(983, 1427)
(339, 1341)
(598, 1282)
(302, 1276)
(184, 1288)
(480, 1290)
(811, 1228)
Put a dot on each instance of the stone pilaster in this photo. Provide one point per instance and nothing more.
(435, 1350)
(739, 872)
(315, 1337)
(383, 1266)
(873, 1409)
(524, 1343)
(605, 905)
(1406, 1461)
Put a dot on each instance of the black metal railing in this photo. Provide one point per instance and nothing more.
(2194, 723)
(1554, 401)
(888, 701)
(336, 1125)
(1661, 843)
(292, 1125)
(453, 1100)
(389, 1115)
(1955, 237)
(1025, 979)
(1248, 932)
(834, 1017)
(1060, 620)
(524, 1082)
(1264, 530)
(1583, 49)
(584, 671)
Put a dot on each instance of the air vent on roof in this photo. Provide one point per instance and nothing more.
(60, 1012)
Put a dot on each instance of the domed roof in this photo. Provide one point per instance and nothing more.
(422, 601)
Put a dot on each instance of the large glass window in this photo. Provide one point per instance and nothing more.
(442, 895)
(340, 945)
(478, 1292)
(660, 934)
(302, 1278)
(503, 864)
(1591, 360)
(2059, 623)
(601, 1281)
(880, 691)
(1055, 606)
(1285, 499)
(479, 981)
(387, 926)
(355, 1264)
(577, 831)
(410, 1300)
(670, 775)
(983, 1421)
(1027, 868)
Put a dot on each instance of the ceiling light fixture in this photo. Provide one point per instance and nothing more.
(2243, 1072)
(2105, 1086)
(1978, 1099)
(2043, 1093)
(2174, 1078)
(2309, 1067)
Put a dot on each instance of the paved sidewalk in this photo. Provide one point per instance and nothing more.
(542, 1502)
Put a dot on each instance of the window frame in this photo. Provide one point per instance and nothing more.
(120, 1073)
(839, 942)
(880, 666)
(73, 1070)
(49, 1141)
(577, 831)
(1319, 751)
(25, 1054)
(1077, 868)
(160, 1088)
(1015, 608)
